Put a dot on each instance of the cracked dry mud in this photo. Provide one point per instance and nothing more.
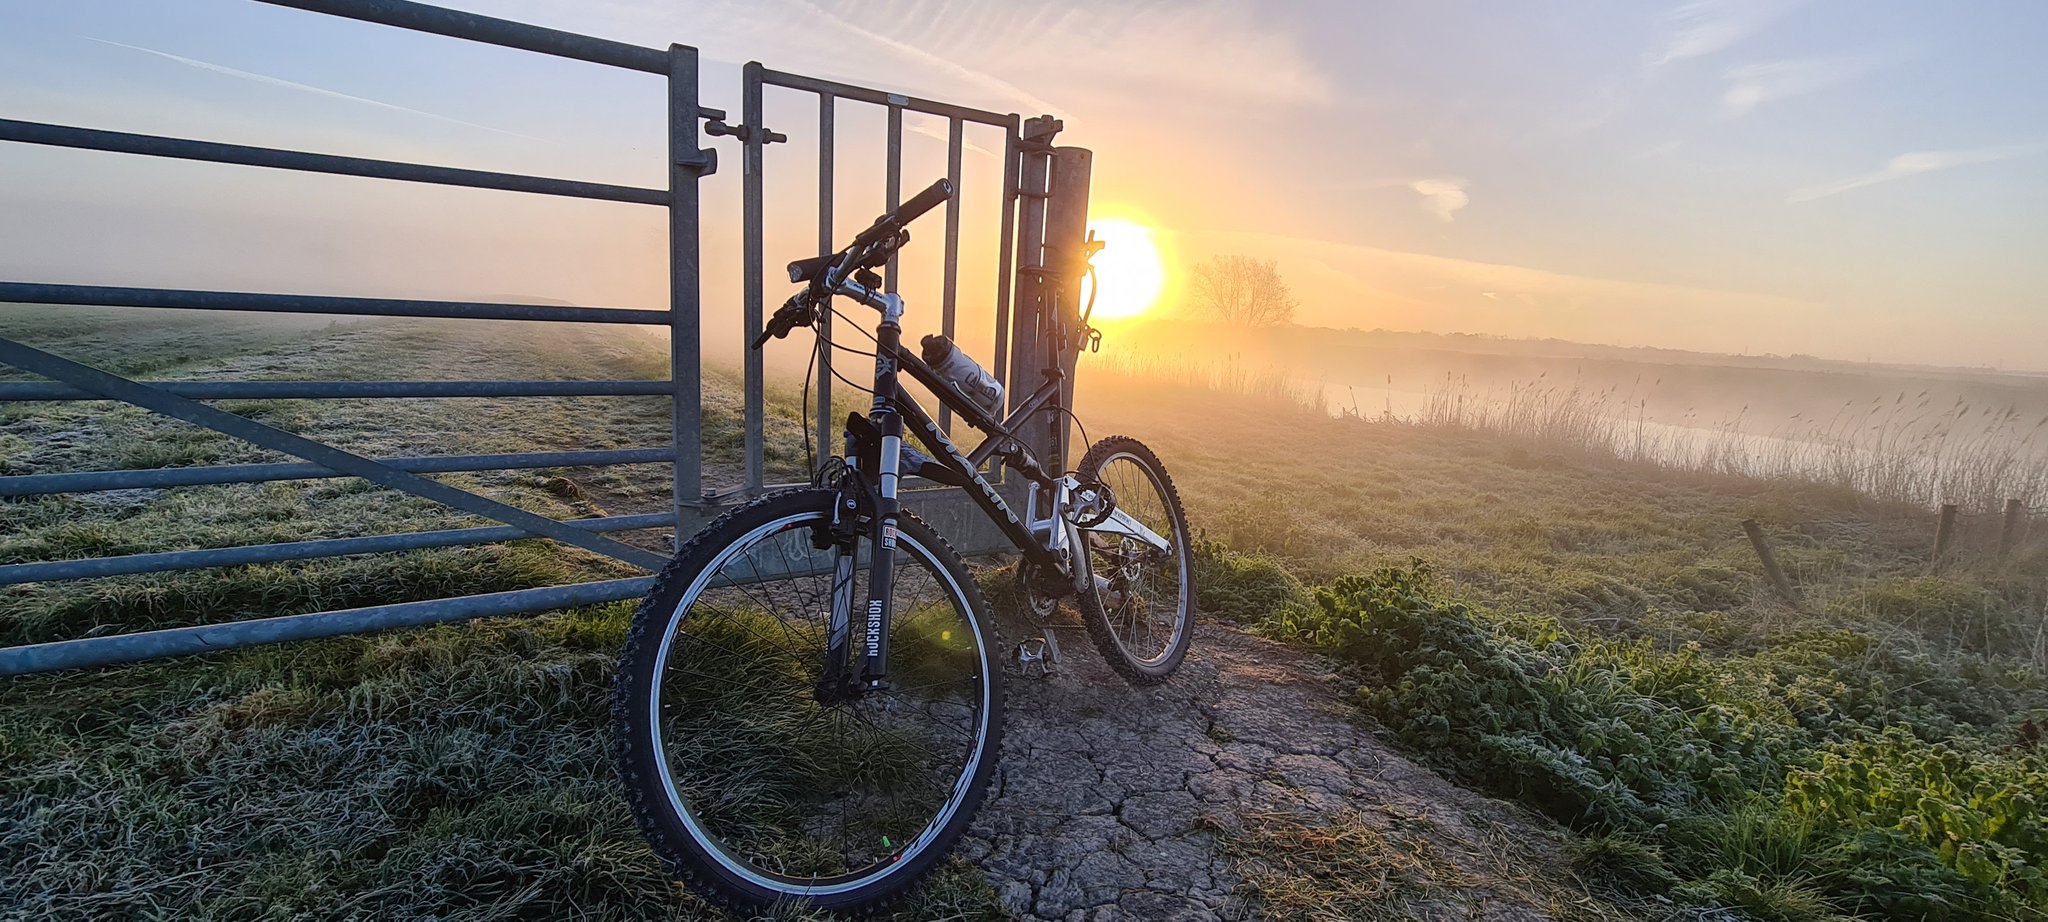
(1115, 802)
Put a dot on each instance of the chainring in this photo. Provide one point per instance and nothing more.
(1092, 504)
(1041, 603)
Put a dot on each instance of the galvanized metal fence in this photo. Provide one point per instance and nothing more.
(689, 164)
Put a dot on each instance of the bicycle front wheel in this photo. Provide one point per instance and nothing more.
(758, 782)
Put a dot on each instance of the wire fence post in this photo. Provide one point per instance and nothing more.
(1944, 534)
(1762, 545)
(2009, 529)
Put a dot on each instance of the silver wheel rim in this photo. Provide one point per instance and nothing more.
(1122, 623)
(961, 785)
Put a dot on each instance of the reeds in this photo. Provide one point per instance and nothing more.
(1898, 449)
(1229, 376)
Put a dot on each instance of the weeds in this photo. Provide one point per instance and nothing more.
(1797, 783)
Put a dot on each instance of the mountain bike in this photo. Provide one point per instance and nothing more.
(810, 701)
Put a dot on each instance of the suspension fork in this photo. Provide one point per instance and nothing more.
(846, 511)
(873, 612)
(874, 670)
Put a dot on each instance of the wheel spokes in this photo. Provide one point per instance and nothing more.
(793, 786)
(1148, 597)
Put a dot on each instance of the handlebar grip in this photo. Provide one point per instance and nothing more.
(924, 201)
(905, 213)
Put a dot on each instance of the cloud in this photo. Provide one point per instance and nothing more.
(1915, 164)
(939, 63)
(1421, 271)
(1752, 85)
(933, 132)
(1442, 196)
(1028, 56)
(300, 87)
(1704, 27)
(1163, 47)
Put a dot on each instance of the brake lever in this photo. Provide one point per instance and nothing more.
(793, 311)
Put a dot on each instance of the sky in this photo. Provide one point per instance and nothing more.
(1855, 179)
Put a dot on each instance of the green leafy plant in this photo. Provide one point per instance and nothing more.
(1979, 811)
(1788, 784)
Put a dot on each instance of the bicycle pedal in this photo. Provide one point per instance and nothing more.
(1033, 658)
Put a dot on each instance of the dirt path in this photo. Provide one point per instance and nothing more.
(1121, 803)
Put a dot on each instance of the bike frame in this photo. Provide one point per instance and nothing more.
(1053, 541)
(887, 416)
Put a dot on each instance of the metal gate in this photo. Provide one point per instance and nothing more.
(1027, 283)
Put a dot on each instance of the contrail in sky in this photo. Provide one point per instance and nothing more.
(287, 84)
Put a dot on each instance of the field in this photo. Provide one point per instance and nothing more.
(1584, 635)
(1913, 434)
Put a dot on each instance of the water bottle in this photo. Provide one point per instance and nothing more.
(956, 368)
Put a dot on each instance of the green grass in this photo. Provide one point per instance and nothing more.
(457, 772)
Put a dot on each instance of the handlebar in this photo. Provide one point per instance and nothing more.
(870, 248)
(907, 212)
(885, 227)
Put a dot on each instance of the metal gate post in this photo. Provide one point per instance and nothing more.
(687, 164)
(1066, 230)
(752, 262)
(1027, 357)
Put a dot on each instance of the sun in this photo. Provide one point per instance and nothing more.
(1129, 273)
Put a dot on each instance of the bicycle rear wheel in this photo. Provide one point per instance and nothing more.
(1141, 612)
(761, 786)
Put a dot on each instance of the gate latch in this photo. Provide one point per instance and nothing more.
(742, 133)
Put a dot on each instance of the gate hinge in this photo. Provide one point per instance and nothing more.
(703, 163)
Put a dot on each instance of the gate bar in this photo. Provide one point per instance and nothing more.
(419, 17)
(185, 299)
(210, 638)
(752, 265)
(950, 287)
(130, 564)
(43, 363)
(1004, 254)
(85, 481)
(121, 142)
(877, 97)
(350, 390)
(827, 132)
(892, 185)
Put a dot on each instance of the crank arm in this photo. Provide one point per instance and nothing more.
(1121, 523)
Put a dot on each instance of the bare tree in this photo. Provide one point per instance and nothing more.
(1243, 290)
